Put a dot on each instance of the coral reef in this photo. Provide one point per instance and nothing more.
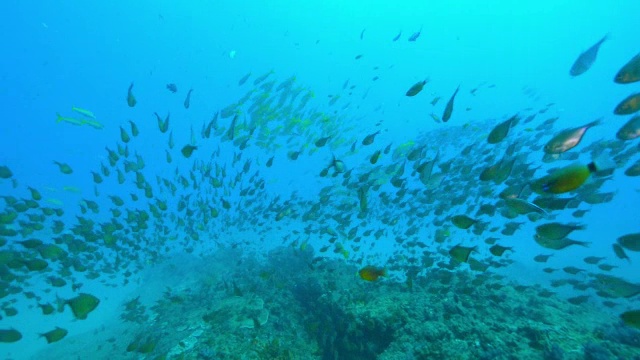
(289, 304)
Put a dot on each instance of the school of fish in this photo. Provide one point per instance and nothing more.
(439, 199)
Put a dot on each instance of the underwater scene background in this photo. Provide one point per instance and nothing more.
(319, 180)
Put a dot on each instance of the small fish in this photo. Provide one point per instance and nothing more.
(631, 318)
(558, 244)
(619, 252)
(232, 128)
(293, 155)
(461, 253)
(416, 88)
(80, 305)
(397, 36)
(630, 72)
(568, 139)
(134, 129)
(542, 258)
(629, 105)
(172, 87)
(83, 112)
(322, 141)
(368, 140)
(372, 273)
(362, 34)
(607, 267)
(572, 270)
(5, 172)
(47, 309)
(630, 241)
(78, 122)
(523, 207)
(634, 169)
(244, 79)
(131, 100)
(9, 335)
(338, 165)
(54, 335)
(263, 77)
(64, 168)
(163, 125)
(577, 300)
(187, 150)
(124, 136)
(463, 221)
(501, 130)
(93, 123)
(592, 260)
(187, 101)
(586, 59)
(415, 35)
(557, 231)
(630, 130)
(362, 198)
(374, 157)
(498, 250)
(387, 149)
(448, 110)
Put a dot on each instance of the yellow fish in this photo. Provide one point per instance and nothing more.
(70, 120)
(570, 177)
(371, 273)
(84, 112)
(79, 122)
(93, 124)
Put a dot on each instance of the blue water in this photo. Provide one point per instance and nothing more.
(515, 56)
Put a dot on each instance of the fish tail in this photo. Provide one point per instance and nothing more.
(60, 118)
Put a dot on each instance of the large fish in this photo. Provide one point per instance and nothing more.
(567, 139)
(630, 72)
(629, 105)
(571, 177)
(586, 59)
(630, 130)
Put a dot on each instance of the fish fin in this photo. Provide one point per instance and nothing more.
(603, 162)
(593, 123)
(604, 38)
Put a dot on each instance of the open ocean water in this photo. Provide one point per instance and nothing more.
(320, 180)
